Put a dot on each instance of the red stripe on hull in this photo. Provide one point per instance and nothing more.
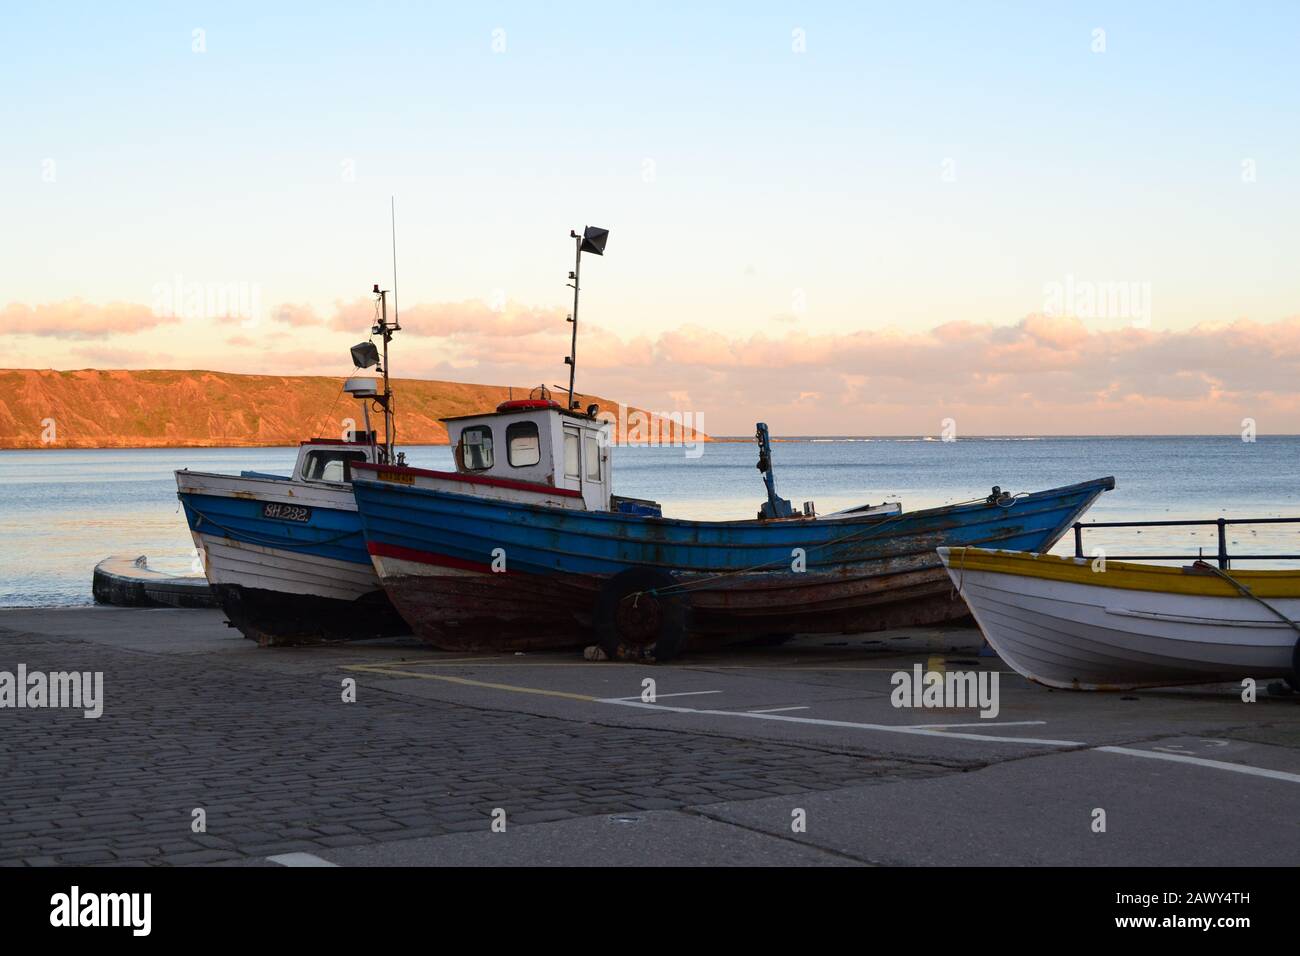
(472, 479)
(425, 557)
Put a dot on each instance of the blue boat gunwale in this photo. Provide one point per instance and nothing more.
(382, 504)
(326, 534)
(798, 522)
(264, 477)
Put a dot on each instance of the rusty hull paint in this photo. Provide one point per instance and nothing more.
(474, 611)
(889, 577)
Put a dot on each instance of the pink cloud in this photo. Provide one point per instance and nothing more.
(75, 319)
(296, 315)
(1041, 375)
(474, 319)
(356, 316)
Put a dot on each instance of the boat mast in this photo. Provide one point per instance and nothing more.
(572, 360)
(592, 240)
(385, 332)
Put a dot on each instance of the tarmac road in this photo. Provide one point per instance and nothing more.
(792, 755)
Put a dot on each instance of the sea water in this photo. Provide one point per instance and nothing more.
(62, 511)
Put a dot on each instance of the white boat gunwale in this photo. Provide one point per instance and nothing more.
(1060, 623)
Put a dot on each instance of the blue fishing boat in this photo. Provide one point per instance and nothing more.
(505, 555)
(284, 554)
(525, 545)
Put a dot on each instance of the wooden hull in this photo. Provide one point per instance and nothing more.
(464, 610)
(1060, 623)
(286, 581)
(278, 618)
(435, 552)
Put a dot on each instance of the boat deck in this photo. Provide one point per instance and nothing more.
(195, 716)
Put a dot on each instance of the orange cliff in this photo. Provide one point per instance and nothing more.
(41, 408)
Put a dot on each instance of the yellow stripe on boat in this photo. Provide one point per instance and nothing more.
(1125, 575)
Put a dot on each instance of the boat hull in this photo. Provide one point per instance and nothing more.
(279, 618)
(466, 610)
(436, 551)
(302, 578)
(1058, 622)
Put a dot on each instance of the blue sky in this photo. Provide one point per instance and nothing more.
(742, 181)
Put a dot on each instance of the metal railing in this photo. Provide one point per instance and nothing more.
(1224, 559)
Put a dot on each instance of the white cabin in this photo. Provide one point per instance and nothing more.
(538, 442)
(330, 460)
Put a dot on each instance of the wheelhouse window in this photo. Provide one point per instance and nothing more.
(572, 454)
(593, 458)
(476, 448)
(331, 465)
(523, 447)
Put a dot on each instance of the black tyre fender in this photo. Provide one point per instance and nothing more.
(1294, 679)
(636, 620)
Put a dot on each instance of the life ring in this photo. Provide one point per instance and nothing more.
(637, 620)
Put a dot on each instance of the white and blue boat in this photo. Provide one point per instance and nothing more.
(284, 554)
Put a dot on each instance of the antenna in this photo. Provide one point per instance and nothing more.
(392, 213)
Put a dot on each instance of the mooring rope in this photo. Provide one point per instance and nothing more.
(1247, 592)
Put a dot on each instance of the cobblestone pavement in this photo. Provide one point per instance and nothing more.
(280, 764)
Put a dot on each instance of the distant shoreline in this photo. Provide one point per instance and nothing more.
(711, 439)
(158, 408)
(69, 446)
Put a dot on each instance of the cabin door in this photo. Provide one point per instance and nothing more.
(572, 464)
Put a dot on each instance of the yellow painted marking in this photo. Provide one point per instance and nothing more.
(477, 662)
(702, 666)
(386, 662)
(935, 664)
(513, 688)
(1124, 575)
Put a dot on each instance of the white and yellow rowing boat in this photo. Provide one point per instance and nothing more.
(1086, 624)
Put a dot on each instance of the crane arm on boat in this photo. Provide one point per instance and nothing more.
(775, 506)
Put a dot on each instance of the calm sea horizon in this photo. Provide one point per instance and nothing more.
(64, 510)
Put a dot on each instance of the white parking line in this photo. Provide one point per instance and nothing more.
(885, 728)
(1202, 762)
(931, 731)
(774, 710)
(922, 730)
(299, 859)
